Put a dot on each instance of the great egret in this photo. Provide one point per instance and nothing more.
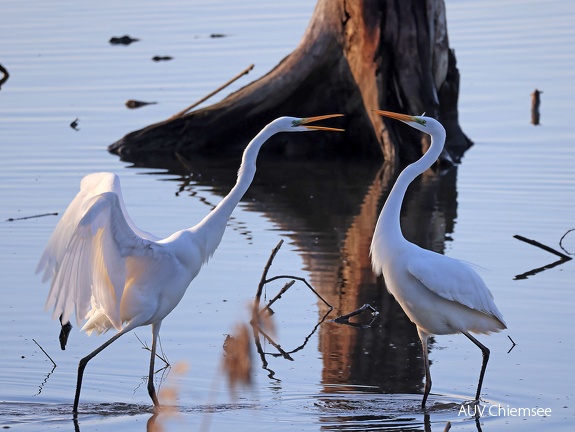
(118, 276)
(441, 295)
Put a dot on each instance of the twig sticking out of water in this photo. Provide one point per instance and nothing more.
(535, 103)
(278, 296)
(287, 286)
(542, 246)
(163, 357)
(344, 319)
(563, 238)
(223, 86)
(31, 217)
(512, 346)
(265, 280)
(5, 76)
(50, 358)
(563, 258)
(261, 321)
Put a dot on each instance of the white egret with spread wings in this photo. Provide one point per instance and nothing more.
(117, 276)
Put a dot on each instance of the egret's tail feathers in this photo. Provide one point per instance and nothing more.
(98, 322)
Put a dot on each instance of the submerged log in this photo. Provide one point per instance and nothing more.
(353, 58)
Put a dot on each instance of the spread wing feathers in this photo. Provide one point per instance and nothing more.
(453, 280)
(86, 257)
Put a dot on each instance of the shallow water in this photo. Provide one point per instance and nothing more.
(517, 179)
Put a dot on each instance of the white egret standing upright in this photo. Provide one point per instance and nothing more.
(439, 294)
(117, 276)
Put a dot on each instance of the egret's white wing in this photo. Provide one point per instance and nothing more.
(57, 245)
(86, 256)
(453, 280)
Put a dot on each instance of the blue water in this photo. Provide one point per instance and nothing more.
(517, 179)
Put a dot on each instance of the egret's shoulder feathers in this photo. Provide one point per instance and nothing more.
(453, 280)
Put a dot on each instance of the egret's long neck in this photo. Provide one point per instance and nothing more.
(389, 218)
(214, 224)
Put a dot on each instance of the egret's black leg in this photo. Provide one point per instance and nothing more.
(424, 337)
(151, 388)
(84, 362)
(485, 352)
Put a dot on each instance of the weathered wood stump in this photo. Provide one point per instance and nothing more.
(353, 58)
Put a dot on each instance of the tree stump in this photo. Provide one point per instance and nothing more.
(353, 58)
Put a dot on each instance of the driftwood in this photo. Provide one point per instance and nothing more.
(353, 58)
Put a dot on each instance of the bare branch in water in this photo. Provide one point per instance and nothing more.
(344, 319)
(512, 346)
(542, 246)
(31, 217)
(561, 242)
(163, 357)
(563, 258)
(262, 326)
(53, 362)
(220, 88)
(288, 285)
(5, 76)
(264, 277)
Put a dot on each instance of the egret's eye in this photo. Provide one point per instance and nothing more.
(295, 123)
(421, 121)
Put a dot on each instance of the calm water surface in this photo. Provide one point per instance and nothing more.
(517, 179)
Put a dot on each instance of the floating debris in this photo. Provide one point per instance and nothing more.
(123, 40)
(162, 58)
(131, 103)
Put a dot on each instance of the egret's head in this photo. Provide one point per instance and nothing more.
(422, 123)
(294, 124)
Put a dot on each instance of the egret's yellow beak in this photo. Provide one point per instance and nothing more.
(305, 122)
(397, 116)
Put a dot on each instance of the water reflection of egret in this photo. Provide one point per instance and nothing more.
(441, 295)
(118, 276)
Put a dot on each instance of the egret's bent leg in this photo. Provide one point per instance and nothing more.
(84, 362)
(485, 352)
(423, 337)
(151, 389)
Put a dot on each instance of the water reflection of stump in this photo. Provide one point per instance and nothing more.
(386, 357)
(329, 210)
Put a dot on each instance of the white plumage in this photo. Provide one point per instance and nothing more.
(441, 295)
(115, 275)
